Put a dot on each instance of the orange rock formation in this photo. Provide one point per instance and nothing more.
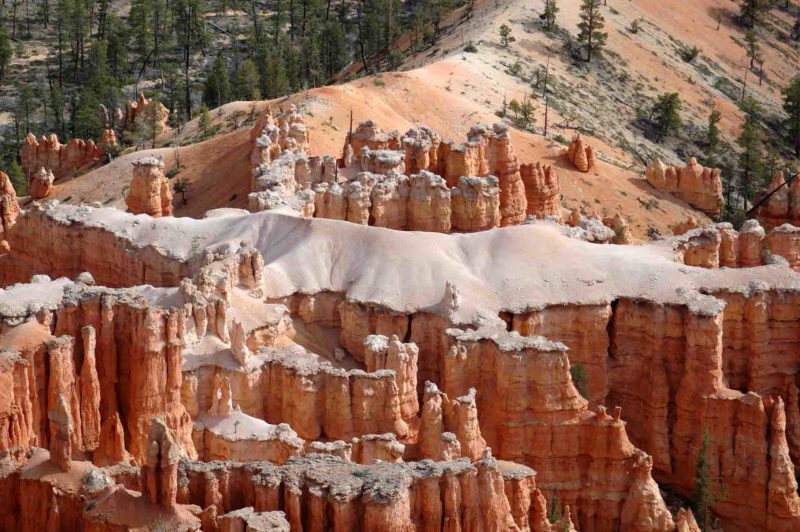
(580, 154)
(9, 210)
(149, 192)
(419, 182)
(698, 186)
(782, 206)
(41, 183)
(63, 160)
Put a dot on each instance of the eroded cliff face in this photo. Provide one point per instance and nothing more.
(42, 242)
(698, 186)
(63, 160)
(342, 394)
(110, 358)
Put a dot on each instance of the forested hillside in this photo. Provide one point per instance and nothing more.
(65, 65)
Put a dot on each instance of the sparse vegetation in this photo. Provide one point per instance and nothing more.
(181, 186)
(690, 54)
(635, 26)
(712, 137)
(750, 160)
(751, 12)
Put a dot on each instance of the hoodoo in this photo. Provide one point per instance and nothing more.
(353, 321)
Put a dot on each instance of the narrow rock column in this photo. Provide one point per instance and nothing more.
(160, 471)
(90, 391)
(61, 434)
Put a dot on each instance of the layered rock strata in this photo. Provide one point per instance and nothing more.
(666, 345)
(698, 186)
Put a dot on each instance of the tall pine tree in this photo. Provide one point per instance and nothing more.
(590, 35)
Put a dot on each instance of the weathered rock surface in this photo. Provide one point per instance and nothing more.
(150, 112)
(63, 160)
(580, 154)
(9, 210)
(149, 192)
(698, 186)
(542, 190)
(41, 183)
(782, 206)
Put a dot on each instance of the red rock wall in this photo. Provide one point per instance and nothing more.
(138, 356)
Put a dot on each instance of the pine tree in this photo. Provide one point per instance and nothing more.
(750, 160)
(592, 22)
(704, 490)
(505, 36)
(86, 123)
(712, 137)
(217, 88)
(247, 83)
(204, 123)
(6, 52)
(791, 104)
(333, 49)
(25, 105)
(549, 16)
(752, 11)
(118, 37)
(751, 47)
(666, 114)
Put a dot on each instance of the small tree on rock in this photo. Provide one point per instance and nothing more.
(591, 36)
